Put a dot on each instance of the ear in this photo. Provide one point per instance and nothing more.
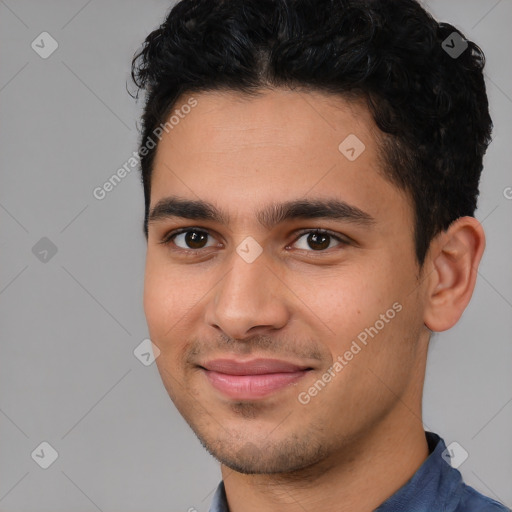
(454, 256)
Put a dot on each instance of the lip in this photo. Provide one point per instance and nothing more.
(252, 367)
(246, 380)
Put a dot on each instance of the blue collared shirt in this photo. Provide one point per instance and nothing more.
(435, 487)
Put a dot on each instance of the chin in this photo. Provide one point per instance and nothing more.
(287, 457)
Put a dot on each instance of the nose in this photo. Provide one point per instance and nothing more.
(250, 299)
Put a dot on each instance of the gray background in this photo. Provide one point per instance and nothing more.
(69, 325)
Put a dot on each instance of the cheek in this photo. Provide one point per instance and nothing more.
(370, 310)
(165, 297)
(353, 299)
(165, 307)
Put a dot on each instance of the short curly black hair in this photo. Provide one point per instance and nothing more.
(429, 103)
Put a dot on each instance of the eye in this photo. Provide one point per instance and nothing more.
(319, 240)
(192, 240)
(188, 239)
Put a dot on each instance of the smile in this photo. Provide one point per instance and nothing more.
(253, 379)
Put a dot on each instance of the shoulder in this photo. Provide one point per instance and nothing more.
(472, 501)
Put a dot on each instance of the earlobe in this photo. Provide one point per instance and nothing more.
(454, 258)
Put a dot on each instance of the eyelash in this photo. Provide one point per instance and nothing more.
(168, 239)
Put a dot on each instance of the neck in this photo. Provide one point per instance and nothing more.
(361, 477)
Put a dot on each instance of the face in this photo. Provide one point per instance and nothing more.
(285, 300)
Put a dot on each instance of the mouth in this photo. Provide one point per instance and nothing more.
(248, 380)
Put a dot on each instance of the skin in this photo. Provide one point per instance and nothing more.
(298, 303)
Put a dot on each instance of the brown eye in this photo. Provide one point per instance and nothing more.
(318, 240)
(192, 239)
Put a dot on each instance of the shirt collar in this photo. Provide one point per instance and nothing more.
(432, 487)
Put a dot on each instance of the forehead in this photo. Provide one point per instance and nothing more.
(278, 146)
(304, 120)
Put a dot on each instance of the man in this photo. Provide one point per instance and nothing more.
(310, 171)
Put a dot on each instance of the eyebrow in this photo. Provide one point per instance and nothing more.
(270, 216)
